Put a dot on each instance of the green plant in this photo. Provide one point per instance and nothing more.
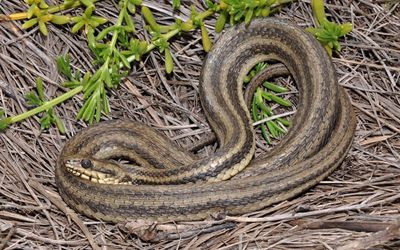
(260, 110)
(38, 14)
(237, 11)
(115, 47)
(328, 33)
(36, 99)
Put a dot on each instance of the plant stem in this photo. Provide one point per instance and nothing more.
(205, 14)
(119, 23)
(170, 34)
(318, 9)
(151, 46)
(50, 104)
(46, 105)
(50, 10)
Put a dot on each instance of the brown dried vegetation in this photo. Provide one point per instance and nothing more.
(357, 207)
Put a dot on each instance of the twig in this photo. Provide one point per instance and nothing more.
(60, 204)
(390, 233)
(39, 238)
(273, 117)
(3, 243)
(191, 233)
(372, 65)
(358, 226)
(291, 216)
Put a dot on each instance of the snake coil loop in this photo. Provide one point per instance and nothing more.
(172, 184)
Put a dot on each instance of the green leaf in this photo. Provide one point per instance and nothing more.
(161, 43)
(98, 109)
(278, 128)
(32, 99)
(205, 38)
(249, 15)
(258, 96)
(45, 18)
(318, 11)
(255, 70)
(254, 110)
(284, 122)
(272, 129)
(327, 32)
(265, 134)
(274, 87)
(60, 125)
(136, 2)
(238, 15)
(187, 26)
(60, 20)
(345, 29)
(91, 40)
(220, 23)
(266, 95)
(169, 64)
(266, 110)
(89, 87)
(40, 89)
(212, 6)
(278, 100)
(87, 3)
(87, 111)
(98, 19)
(77, 26)
(106, 77)
(71, 84)
(77, 19)
(131, 8)
(43, 5)
(31, 11)
(89, 10)
(106, 106)
(123, 59)
(266, 11)
(129, 22)
(29, 23)
(63, 65)
(281, 101)
(45, 121)
(176, 4)
(4, 123)
(148, 16)
(106, 31)
(312, 30)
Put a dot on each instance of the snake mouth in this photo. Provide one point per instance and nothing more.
(87, 170)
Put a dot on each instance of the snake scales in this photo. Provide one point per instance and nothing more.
(170, 183)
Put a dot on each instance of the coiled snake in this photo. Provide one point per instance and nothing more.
(172, 184)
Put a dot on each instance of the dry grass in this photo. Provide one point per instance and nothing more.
(357, 207)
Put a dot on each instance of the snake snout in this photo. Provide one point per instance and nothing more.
(96, 171)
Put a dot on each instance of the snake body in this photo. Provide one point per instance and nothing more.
(169, 183)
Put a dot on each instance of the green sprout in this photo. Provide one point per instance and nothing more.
(237, 11)
(176, 4)
(37, 98)
(116, 46)
(328, 33)
(39, 10)
(87, 20)
(4, 121)
(260, 111)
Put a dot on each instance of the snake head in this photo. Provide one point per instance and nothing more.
(95, 170)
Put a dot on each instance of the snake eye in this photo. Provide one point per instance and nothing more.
(85, 163)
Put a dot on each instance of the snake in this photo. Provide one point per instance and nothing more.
(123, 170)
